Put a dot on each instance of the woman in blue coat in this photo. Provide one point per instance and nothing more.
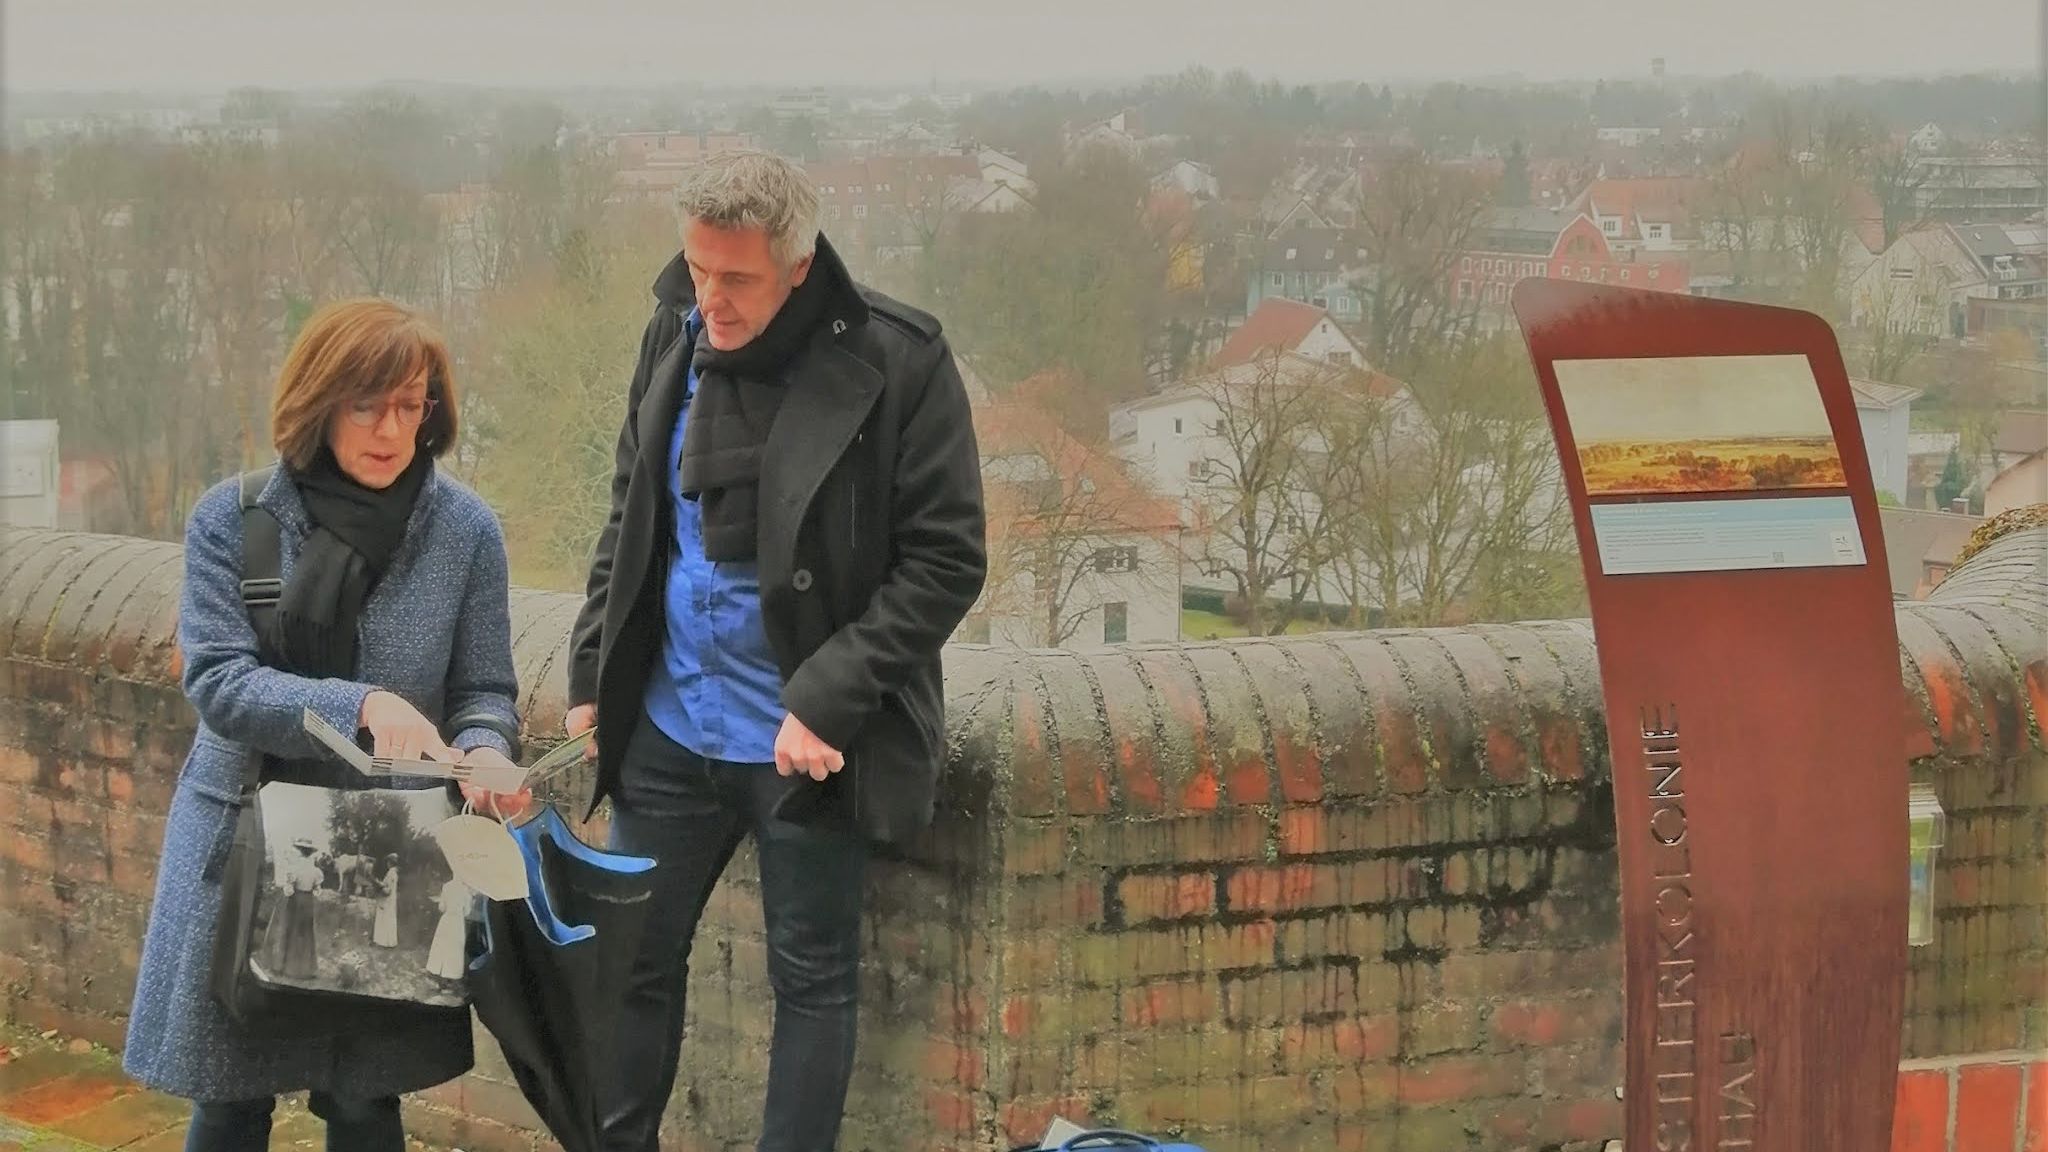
(393, 618)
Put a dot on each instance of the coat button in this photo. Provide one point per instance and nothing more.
(801, 580)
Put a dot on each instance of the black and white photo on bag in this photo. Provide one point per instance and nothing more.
(356, 896)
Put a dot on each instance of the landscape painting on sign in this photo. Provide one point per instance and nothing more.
(1699, 424)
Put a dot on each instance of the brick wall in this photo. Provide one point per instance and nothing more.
(1343, 892)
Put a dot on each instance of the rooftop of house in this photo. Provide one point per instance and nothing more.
(1873, 394)
(1276, 325)
(1914, 538)
(1307, 248)
(1066, 470)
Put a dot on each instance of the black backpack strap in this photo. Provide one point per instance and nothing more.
(262, 580)
(262, 556)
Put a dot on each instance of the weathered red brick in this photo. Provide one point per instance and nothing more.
(1592, 1121)
(1402, 756)
(1954, 703)
(1301, 831)
(2034, 1137)
(1294, 887)
(1128, 715)
(949, 1062)
(1194, 785)
(952, 1110)
(1031, 764)
(1171, 1004)
(1987, 1107)
(1920, 1113)
(1167, 896)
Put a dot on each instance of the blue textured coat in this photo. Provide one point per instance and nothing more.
(436, 631)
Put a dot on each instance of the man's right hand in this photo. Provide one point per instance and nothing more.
(582, 718)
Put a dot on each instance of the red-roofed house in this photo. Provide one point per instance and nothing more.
(1519, 243)
(1282, 325)
(1652, 214)
(1081, 552)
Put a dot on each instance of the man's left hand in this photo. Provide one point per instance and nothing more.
(798, 750)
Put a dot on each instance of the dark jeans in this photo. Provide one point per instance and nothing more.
(689, 814)
(353, 1125)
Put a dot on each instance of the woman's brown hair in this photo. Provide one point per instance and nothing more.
(359, 350)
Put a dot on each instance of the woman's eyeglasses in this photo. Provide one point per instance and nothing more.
(368, 413)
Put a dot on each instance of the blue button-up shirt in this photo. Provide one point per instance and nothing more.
(717, 689)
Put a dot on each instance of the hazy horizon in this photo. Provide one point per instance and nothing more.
(56, 47)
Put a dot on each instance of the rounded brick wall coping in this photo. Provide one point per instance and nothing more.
(1167, 728)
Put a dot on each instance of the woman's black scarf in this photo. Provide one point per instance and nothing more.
(738, 394)
(356, 532)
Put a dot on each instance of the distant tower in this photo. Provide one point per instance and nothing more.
(1657, 67)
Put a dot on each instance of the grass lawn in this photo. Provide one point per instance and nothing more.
(1198, 625)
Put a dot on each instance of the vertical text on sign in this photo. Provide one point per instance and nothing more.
(1675, 1060)
(1737, 1131)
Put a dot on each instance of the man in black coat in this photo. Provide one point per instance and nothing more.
(796, 530)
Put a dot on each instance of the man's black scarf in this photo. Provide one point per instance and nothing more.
(738, 394)
(356, 532)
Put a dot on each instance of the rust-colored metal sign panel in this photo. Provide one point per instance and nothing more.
(1725, 513)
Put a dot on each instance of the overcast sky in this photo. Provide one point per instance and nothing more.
(217, 44)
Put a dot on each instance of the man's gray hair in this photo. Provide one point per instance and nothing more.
(743, 189)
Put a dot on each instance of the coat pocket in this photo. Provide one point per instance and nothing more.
(216, 768)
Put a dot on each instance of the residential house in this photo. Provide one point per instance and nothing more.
(882, 201)
(2020, 485)
(1003, 168)
(1122, 132)
(1081, 552)
(1318, 266)
(1177, 441)
(985, 196)
(1885, 414)
(1281, 326)
(1196, 180)
(1644, 215)
(1979, 189)
(1934, 280)
(2021, 433)
(1921, 546)
(1519, 243)
(651, 164)
(1175, 215)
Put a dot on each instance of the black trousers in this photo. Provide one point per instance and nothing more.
(689, 814)
(353, 1125)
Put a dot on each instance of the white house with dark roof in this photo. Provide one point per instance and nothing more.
(1885, 414)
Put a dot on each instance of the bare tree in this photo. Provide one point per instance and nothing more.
(1416, 218)
(1896, 321)
(1261, 523)
(1896, 178)
(1068, 526)
(1443, 503)
(238, 239)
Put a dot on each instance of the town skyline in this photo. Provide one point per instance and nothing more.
(105, 46)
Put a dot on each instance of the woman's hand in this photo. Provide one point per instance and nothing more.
(399, 730)
(504, 805)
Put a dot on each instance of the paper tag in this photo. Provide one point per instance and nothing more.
(1059, 1132)
(336, 743)
(368, 765)
(568, 752)
(505, 781)
(483, 855)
